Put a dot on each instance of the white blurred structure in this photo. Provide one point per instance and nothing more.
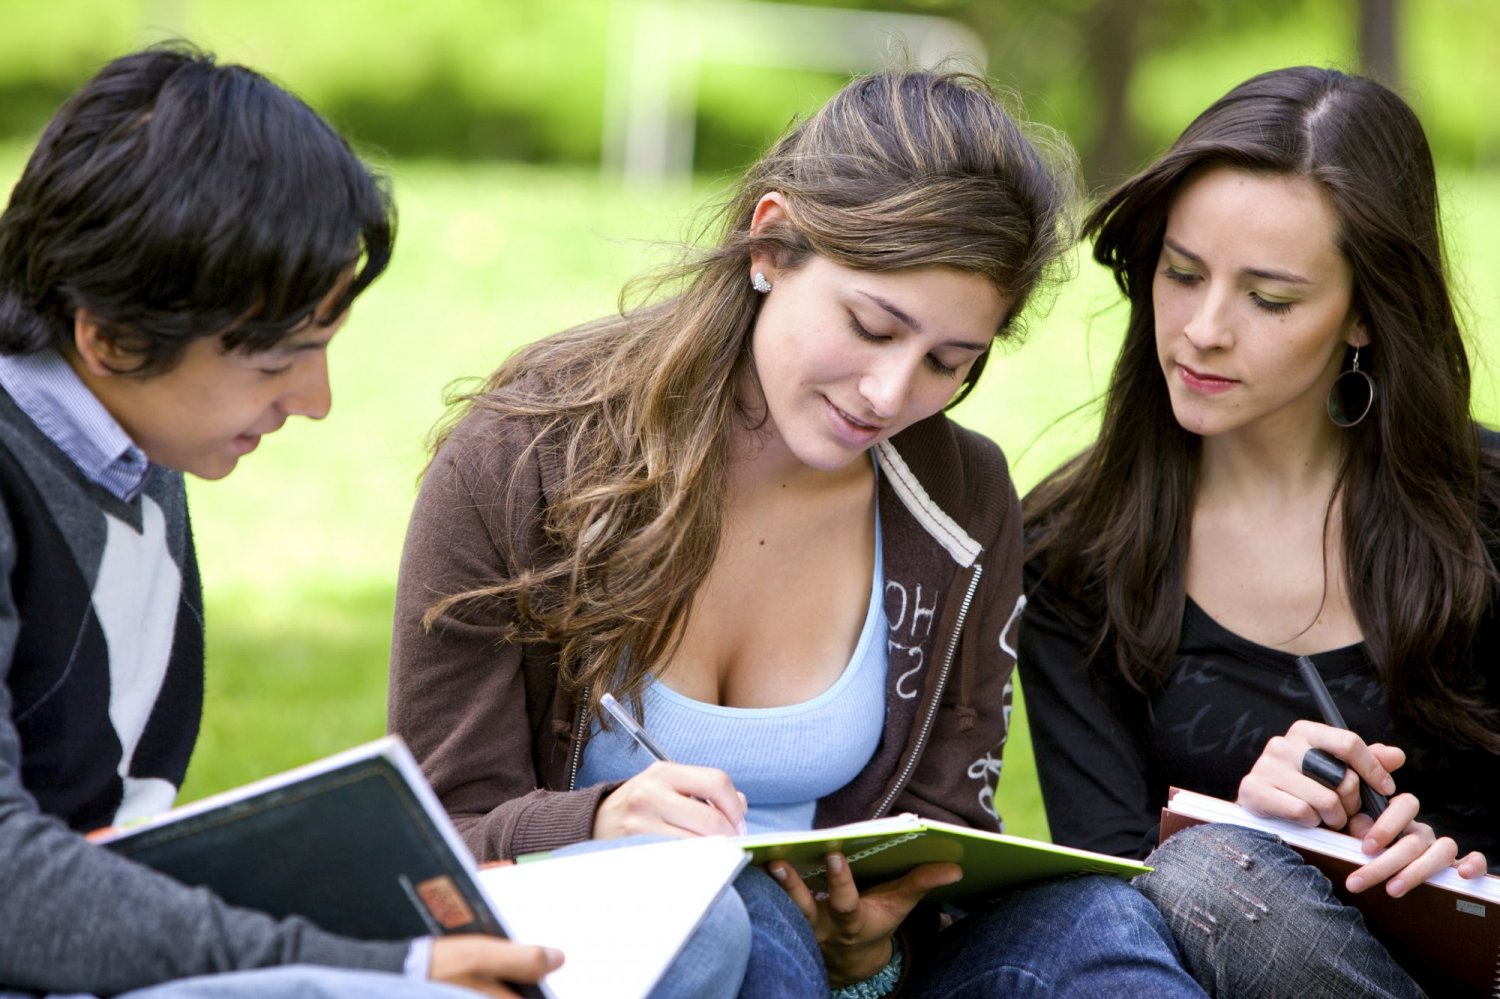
(655, 47)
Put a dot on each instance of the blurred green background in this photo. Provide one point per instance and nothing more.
(493, 118)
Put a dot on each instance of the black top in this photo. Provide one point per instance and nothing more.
(1106, 757)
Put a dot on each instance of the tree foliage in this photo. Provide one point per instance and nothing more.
(519, 80)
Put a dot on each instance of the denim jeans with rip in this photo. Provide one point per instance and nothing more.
(1253, 921)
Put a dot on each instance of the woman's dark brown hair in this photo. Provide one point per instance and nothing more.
(1113, 523)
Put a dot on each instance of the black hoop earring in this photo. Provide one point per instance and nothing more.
(1353, 391)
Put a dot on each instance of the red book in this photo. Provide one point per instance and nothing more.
(1444, 933)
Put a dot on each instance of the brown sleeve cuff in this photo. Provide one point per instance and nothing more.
(540, 821)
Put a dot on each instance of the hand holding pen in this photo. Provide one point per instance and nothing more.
(1324, 768)
(1320, 766)
(1304, 776)
(667, 798)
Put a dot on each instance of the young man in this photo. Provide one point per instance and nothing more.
(183, 244)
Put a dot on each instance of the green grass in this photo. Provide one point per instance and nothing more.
(300, 546)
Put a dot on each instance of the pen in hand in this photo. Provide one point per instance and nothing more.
(618, 713)
(635, 731)
(1373, 801)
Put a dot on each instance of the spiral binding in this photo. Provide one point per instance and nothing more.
(869, 851)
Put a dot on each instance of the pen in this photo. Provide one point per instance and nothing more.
(618, 713)
(1374, 802)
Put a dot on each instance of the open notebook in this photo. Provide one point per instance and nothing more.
(628, 910)
(881, 849)
(1444, 933)
(359, 844)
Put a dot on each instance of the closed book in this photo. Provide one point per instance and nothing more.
(881, 849)
(356, 842)
(1445, 933)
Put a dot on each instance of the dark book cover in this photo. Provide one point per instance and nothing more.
(356, 843)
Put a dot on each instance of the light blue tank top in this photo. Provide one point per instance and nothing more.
(783, 759)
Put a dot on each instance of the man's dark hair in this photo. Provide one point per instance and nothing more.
(175, 198)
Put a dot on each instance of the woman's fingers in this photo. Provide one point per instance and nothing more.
(843, 893)
(1401, 854)
(854, 928)
(900, 896)
(1283, 782)
(1292, 797)
(1408, 862)
(1438, 855)
(703, 786)
(1472, 865)
(485, 964)
(672, 799)
(1397, 819)
(786, 875)
(1341, 744)
(844, 906)
(1393, 758)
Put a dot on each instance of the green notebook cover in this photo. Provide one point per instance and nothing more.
(882, 849)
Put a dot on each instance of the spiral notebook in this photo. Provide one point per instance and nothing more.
(1445, 933)
(881, 849)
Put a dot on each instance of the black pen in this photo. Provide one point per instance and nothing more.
(1374, 802)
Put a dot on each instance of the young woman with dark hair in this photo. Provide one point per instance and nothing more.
(1287, 466)
(743, 506)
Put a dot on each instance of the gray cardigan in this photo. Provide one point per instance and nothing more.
(74, 917)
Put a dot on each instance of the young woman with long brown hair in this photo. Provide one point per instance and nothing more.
(743, 507)
(1287, 466)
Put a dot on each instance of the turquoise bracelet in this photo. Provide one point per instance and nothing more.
(878, 985)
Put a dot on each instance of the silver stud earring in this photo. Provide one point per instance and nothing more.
(760, 282)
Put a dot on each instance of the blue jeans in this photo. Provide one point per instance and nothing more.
(1251, 919)
(785, 961)
(712, 962)
(297, 982)
(1083, 937)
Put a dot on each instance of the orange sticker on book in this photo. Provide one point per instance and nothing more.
(445, 902)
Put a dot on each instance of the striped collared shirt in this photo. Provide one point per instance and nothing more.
(49, 391)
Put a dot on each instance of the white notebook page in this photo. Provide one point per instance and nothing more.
(619, 916)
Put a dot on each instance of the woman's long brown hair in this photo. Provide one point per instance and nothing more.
(899, 169)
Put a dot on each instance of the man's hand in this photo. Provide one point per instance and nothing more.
(485, 964)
